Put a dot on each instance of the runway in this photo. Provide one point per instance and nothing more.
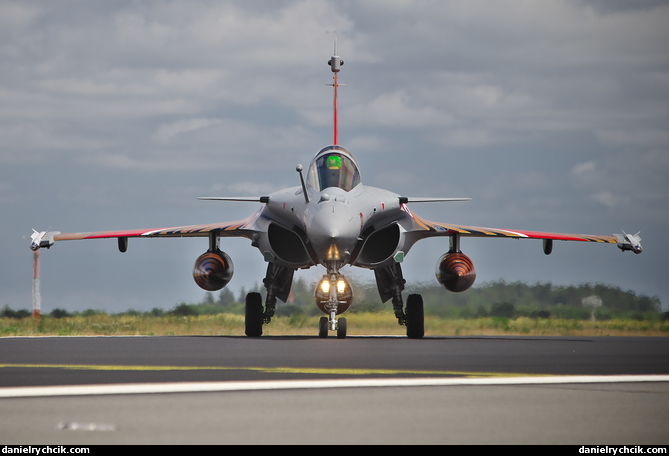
(360, 390)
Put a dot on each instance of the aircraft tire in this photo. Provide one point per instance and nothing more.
(415, 317)
(323, 327)
(341, 328)
(254, 315)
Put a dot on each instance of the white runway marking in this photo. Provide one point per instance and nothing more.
(194, 387)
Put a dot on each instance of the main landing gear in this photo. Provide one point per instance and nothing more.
(255, 315)
(390, 283)
(277, 281)
(334, 296)
(255, 318)
(415, 317)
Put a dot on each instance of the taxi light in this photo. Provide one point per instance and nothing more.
(341, 286)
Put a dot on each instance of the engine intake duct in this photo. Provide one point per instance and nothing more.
(287, 244)
(379, 245)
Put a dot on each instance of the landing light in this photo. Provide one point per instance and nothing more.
(341, 286)
(325, 286)
(326, 298)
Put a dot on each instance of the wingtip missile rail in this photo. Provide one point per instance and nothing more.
(630, 242)
(42, 239)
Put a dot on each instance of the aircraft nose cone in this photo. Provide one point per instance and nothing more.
(333, 231)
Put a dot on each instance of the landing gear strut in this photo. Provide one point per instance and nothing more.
(390, 283)
(333, 296)
(277, 281)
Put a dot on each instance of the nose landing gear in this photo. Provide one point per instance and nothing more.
(325, 325)
(333, 296)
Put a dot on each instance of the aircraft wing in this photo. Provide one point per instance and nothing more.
(241, 228)
(426, 228)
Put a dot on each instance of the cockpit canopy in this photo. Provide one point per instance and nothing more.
(333, 166)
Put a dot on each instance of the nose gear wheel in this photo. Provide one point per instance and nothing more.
(333, 296)
(324, 327)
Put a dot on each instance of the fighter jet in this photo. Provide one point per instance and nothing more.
(333, 220)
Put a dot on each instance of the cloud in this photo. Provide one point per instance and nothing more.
(637, 136)
(468, 138)
(605, 198)
(368, 143)
(581, 168)
(397, 109)
(166, 133)
(551, 115)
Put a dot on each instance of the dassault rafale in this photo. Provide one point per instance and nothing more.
(333, 220)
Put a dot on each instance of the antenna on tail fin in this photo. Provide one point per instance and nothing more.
(335, 65)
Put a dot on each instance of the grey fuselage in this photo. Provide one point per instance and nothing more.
(361, 226)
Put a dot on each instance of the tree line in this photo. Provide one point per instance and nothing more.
(498, 298)
(493, 299)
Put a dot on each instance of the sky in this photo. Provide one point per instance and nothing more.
(551, 116)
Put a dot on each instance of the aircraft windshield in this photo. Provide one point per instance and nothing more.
(332, 168)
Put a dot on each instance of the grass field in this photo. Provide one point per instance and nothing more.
(363, 323)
